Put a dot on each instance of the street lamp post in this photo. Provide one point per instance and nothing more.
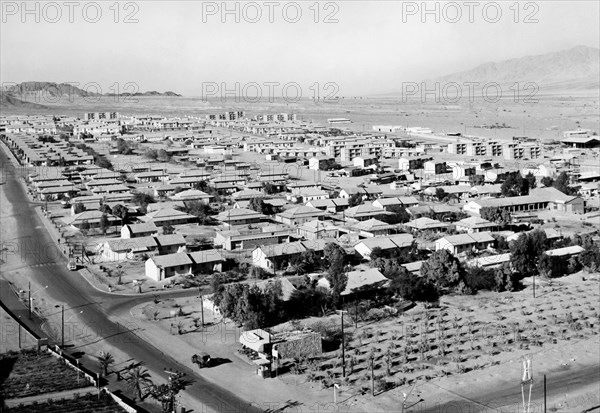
(29, 298)
(343, 345)
(62, 330)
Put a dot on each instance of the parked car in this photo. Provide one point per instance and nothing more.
(71, 265)
(201, 359)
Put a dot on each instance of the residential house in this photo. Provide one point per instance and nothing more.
(330, 205)
(372, 228)
(170, 244)
(316, 229)
(364, 212)
(360, 281)
(240, 216)
(206, 261)
(458, 244)
(475, 224)
(389, 203)
(426, 224)
(299, 215)
(161, 267)
(139, 230)
(168, 216)
(388, 243)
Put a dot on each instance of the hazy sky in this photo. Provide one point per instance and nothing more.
(373, 47)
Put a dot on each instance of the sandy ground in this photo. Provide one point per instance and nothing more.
(495, 360)
(10, 337)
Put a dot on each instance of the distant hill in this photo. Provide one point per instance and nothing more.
(50, 89)
(573, 69)
(7, 100)
(27, 93)
(151, 93)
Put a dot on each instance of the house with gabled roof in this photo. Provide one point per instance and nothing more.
(206, 261)
(426, 224)
(364, 212)
(316, 229)
(160, 267)
(386, 243)
(277, 256)
(240, 216)
(168, 216)
(333, 206)
(360, 281)
(387, 203)
(170, 243)
(299, 215)
(372, 228)
(92, 217)
(192, 195)
(128, 248)
(139, 230)
(458, 244)
(475, 224)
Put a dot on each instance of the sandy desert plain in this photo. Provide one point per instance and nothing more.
(464, 356)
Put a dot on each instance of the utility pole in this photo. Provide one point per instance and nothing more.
(533, 285)
(372, 376)
(343, 349)
(545, 394)
(29, 299)
(202, 309)
(62, 330)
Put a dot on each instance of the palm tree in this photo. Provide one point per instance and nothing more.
(138, 378)
(105, 360)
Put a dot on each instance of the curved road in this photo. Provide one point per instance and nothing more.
(75, 292)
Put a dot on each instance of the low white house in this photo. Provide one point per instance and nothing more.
(161, 267)
(461, 243)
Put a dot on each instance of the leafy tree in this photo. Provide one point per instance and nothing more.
(336, 272)
(514, 185)
(412, 287)
(498, 215)
(531, 181)
(166, 393)
(307, 302)
(443, 270)
(85, 226)
(505, 277)
(142, 198)
(526, 251)
(547, 181)
(199, 209)
(440, 194)
(105, 209)
(562, 184)
(400, 216)
(78, 208)
(121, 212)
(104, 223)
(168, 229)
(269, 188)
(355, 200)
(259, 205)
(258, 273)
(201, 186)
(251, 306)
(123, 147)
(138, 379)
(104, 361)
(163, 155)
(477, 278)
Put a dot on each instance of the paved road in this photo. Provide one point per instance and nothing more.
(67, 287)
